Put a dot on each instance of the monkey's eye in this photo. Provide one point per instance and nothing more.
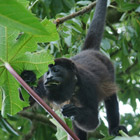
(56, 70)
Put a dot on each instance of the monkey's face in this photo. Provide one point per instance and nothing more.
(56, 76)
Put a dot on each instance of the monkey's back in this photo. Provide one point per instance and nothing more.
(95, 62)
(100, 69)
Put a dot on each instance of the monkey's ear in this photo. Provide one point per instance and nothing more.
(66, 63)
(73, 67)
(50, 65)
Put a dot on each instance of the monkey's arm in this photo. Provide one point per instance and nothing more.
(30, 78)
(84, 117)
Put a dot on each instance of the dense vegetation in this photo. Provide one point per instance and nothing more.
(31, 44)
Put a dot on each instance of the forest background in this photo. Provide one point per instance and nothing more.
(28, 43)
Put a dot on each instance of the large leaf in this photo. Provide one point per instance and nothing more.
(11, 101)
(51, 28)
(29, 42)
(124, 6)
(13, 14)
(34, 61)
(0, 98)
(17, 52)
(25, 3)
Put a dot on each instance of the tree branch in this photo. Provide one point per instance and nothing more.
(127, 71)
(114, 53)
(81, 12)
(37, 117)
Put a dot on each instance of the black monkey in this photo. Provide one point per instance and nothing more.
(84, 80)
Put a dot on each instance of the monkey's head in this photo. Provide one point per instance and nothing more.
(61, 74)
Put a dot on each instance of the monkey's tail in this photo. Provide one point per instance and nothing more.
(96, 29)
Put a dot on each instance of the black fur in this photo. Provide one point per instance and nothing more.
(84, 81)
(94, 36)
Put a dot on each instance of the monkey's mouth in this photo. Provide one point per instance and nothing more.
(52, 83)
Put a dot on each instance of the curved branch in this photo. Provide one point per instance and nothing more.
(81, 12)
(127, 71)
(37, 117)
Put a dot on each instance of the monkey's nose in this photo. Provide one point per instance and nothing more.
(49, 76)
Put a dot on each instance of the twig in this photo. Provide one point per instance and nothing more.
(123, 134)
(127, 71)
(37, 117)
(81, 12)
(30, 7)
(114, 53)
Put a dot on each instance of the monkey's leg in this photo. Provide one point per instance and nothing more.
(113, 117)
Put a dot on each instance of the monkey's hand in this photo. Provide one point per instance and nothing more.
(28, 76)
(70, 111)
(115, 131)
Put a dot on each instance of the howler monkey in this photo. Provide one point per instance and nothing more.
(84, 80)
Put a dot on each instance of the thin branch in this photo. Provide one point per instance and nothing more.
(30, 7)
(37, 117)
(115, 52)
(128, 70)
(123, 134)
(81, 12)
(78, 13)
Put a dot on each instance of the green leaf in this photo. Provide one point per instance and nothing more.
(69, 3)
(127, 138)
(2, 75)
(124, 6)
(16, 50)
(13, 14)
(25, 95)
(8, 127)
(51, 28)
(105, 44)
(34, 61)
(25, 41)
(138, 9)
(61, 134)
(84, 3)
(25, 3)
(11, 101)
(138, 58)
(57, 6)
(0, 98)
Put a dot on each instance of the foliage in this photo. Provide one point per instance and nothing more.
(26, 43)
(19, 51)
